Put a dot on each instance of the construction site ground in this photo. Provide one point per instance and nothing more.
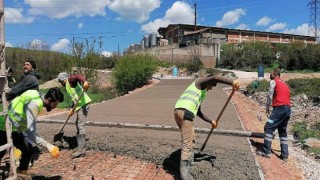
(144, 153)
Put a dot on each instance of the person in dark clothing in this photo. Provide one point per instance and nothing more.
(279, 98)
(28, 81)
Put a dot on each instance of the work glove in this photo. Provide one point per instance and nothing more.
(214, 124)
(235, 85)
(86, 85)
(54, 150)
(71, 112)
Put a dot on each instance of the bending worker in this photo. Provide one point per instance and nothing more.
(73, 87)
(189, 105)
(23, 112)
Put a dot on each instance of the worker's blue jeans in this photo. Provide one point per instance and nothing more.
(277, 120)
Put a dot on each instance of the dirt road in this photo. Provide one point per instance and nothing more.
(224, 156)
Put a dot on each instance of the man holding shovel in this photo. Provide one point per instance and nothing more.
(22, 113)
(189, 105)
(76, 85)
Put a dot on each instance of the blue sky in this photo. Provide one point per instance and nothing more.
(119, 23)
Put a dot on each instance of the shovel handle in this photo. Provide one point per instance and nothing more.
(219, 116)
(74, 107)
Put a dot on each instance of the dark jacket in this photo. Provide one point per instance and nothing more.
(28, 81)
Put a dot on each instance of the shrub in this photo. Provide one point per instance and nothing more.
(258, 86)
(132, 71)
(310, 87)
(302, 132)
(194, 65)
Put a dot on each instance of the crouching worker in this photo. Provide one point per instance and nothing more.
(23, 112)
(189, 105)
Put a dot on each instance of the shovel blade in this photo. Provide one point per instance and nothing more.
(58, 137)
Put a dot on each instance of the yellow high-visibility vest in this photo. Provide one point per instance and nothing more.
(191, 98)
(17, 112)
(74, 93)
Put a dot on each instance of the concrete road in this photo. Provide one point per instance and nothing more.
(232, 156)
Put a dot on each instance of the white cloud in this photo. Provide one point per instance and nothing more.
(8, 44)
(106, 53)
(242, 26)
(231, 17)
(80, 25)
(137, 10)
(264, 21)
(61, 46)
(59, 9)
(277, 26)
(15, 16)
(300, 30)
(179, 13)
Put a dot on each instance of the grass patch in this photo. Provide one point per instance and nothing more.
(303, 132)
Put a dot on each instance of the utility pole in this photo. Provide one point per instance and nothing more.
(3, 88)
(118, 51)
(195, 16)
(314, 18)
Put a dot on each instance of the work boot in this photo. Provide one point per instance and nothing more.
(263, 154)
(23, 175)
(283, 158)
(81, 152)
(184, 170)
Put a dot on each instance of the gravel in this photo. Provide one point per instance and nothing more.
(309, 167)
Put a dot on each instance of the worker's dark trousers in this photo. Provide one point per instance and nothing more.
(19, 142)
(277, 120)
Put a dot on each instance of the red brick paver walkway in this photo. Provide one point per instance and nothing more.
(97, 165)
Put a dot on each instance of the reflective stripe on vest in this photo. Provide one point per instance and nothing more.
(17, 110)
(74, 93)
(191, 98)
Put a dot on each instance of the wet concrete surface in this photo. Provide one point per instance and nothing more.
(225, 157)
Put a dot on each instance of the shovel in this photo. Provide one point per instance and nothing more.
(224, 107)
(58, 137)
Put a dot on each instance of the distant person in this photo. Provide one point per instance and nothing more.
(186, 108)
(75, 85)
(22, 113)
(279, 96)
(11, 80)
(27, 82)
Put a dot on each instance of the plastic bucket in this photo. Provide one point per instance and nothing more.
(175, 72)
(260, 71)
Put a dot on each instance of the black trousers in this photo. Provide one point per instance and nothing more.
(19, 142)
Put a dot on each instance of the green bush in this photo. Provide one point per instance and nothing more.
(194, 65)
(258, 86)
(302, 132)
(132, 71)
(307, 86)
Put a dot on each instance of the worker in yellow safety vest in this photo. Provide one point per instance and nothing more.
(22, 113)
(76, 85)
(189, 105)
